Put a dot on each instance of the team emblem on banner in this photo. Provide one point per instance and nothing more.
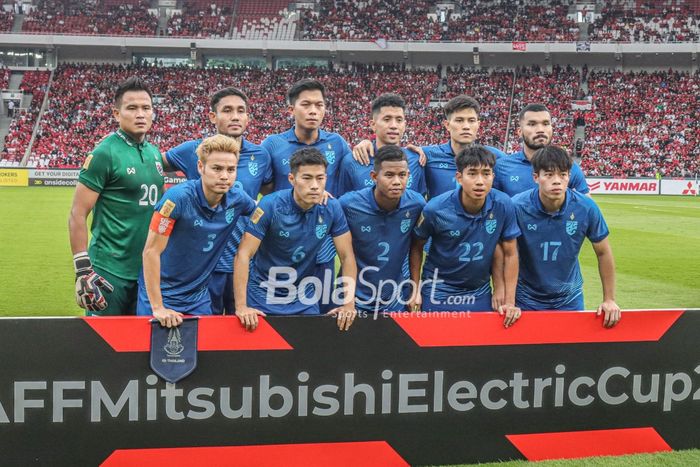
(571, 225)
(174, 350)
(253, 168)
(230, 213)
(330, 157)
(321, 230)
(491, 224)
(405, 225)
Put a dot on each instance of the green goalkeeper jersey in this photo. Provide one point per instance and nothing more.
(129, 178)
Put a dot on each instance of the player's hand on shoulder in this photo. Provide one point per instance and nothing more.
(249, 317)
(363, 151)
(89, 286)
(510, 312)
(611, 312)
(422, 158)
(345, 316)
(324, 198)
(166, 317)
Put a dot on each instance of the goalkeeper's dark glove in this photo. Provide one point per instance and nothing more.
(89, 285)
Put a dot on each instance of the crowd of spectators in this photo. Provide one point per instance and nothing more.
(7, 19)
(643, 123)
(209, 18)
(650, 22)
(22, 125)
(130, 17)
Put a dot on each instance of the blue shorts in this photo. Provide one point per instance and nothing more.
(574, 303)
(458, 302)
(200, 307)
(221, 293)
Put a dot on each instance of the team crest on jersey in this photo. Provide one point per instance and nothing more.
(410, 181)
(491, 224)
(321, 230)
(230, 213)
(330, 157)
(159, 168)
(571, 225)
(253, 168)
(86, 164)
(405, 225)
(167, 208)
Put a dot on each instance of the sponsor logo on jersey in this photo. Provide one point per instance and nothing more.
(253, 168)
(454, 233)
(230, 214)
(405, 225)
(167, 208)
(514, 178)
(366, 228)
(86, 164)
(532, 227)
(255, 218)
(198, 222)
(159, 168)
(369, 182)
(131, 170)
(284, 233)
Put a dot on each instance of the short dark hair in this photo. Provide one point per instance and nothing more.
(475, 155)
(551, 158)
(388, 153)
(387, 100)
(532, 108)
(225, 92)
(306, 156)
(460, 102)
(304, 85)
(133, 83)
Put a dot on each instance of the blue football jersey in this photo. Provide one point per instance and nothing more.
(354, 176)
(198, 237)
(281, 147)
(550, 277)
(290, 241)
(462, 247)
(513, 175)
(381, 241)
(254, 171)
(440, 167)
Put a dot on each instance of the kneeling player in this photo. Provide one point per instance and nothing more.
(465, 226)
(283, 238)
(381, 219)
(189, 230)
(554, 221)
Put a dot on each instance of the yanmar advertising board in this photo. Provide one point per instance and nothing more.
(623, 186)
(402, 389)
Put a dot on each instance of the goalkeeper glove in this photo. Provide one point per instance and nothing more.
(89, 285)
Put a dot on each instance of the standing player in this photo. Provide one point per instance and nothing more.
(388, 124)
(465, 226)
(514, 172)
(120, 182)
(307, 104)
(189, 230)
(283, 238)
(554, 221)
(229, 113)
(381, 219)
(462, 122)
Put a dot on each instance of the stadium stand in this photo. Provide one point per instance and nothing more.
(22, 125)
(202, 18)
(6, 20)
(264, 19)
(643, 123)
(643, 21)
(107, 17)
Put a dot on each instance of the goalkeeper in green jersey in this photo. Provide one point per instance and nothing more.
(120, 182)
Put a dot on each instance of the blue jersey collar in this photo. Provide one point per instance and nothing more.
(538, 203)
(447, 148)
(293, 203)
(291, 136)
(375, 206)
(520, 155)
(457, 202)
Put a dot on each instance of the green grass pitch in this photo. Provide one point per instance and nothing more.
(656, 242)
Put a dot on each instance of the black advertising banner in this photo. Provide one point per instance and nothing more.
(400, 389)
